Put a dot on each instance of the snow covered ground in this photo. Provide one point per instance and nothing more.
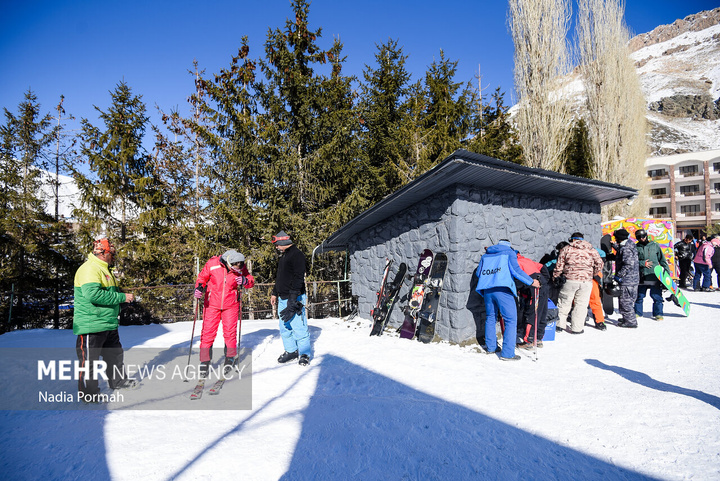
(621, 404)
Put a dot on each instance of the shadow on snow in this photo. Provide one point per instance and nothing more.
(645, 380)
(39, 452)
(362, 425)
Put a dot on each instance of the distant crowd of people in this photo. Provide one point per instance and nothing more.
(574, 282)
(697, 259)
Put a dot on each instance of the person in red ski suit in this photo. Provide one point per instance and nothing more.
(219, 284)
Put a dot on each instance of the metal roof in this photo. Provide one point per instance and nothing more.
(477, 170)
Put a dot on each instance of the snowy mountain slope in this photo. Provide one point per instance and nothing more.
(620, 404)
(680, 78)
(678, 67)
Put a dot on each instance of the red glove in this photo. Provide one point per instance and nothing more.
(199, 292)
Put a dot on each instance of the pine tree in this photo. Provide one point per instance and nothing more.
(382, 115)
(228, 106)
(182, 167)
(492, 133)
(29, 257)
(163, 252)
(448, 116)
(578, 155)
(308, 125)
(121, 185)
(414, 133)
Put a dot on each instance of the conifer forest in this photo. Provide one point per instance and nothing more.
(279, 139)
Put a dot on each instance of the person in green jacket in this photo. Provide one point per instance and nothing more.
(95, 321)
(649, 255)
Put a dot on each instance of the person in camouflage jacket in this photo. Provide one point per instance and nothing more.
(578, 262)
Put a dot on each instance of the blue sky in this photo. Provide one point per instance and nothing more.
(82, 49)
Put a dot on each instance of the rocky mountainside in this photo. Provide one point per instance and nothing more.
(679, 70)
(692, 23)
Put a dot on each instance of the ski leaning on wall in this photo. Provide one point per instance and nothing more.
(416, 295)
(380, 294)
(386, 298)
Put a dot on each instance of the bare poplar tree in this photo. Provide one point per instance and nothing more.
(615, 114)
(539, 29)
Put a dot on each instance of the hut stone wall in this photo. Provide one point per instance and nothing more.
(461, 221)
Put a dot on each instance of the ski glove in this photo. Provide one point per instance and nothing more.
(245, 281)
(294, 306)
(199, 292)
(617, 279)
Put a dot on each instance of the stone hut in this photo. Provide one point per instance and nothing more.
(462, 205)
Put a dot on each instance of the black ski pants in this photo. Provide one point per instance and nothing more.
(684, 265)
(90, 348)
(526, 312)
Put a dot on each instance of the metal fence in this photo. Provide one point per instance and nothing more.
(175, 303)
(171, 303)
(35, 308)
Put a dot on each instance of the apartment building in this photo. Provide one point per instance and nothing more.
(685, 188)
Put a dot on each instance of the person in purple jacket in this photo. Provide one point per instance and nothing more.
(496, 275)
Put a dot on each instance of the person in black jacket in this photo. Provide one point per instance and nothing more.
(550, 261)
(289, 296)
(526, 303)
(684, 253)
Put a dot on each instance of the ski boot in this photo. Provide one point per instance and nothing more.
(230, 363)
(287, 356)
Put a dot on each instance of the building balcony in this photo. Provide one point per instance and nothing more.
(689, 175)
(688, 194)
(658, 181)
(655, 199)
(691, 215)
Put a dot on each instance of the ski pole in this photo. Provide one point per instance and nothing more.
(537, 295)
(238, 336)
(192, 336)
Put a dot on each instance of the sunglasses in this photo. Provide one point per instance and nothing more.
(276, 238)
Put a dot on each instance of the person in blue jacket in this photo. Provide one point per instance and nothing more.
(496, 274)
